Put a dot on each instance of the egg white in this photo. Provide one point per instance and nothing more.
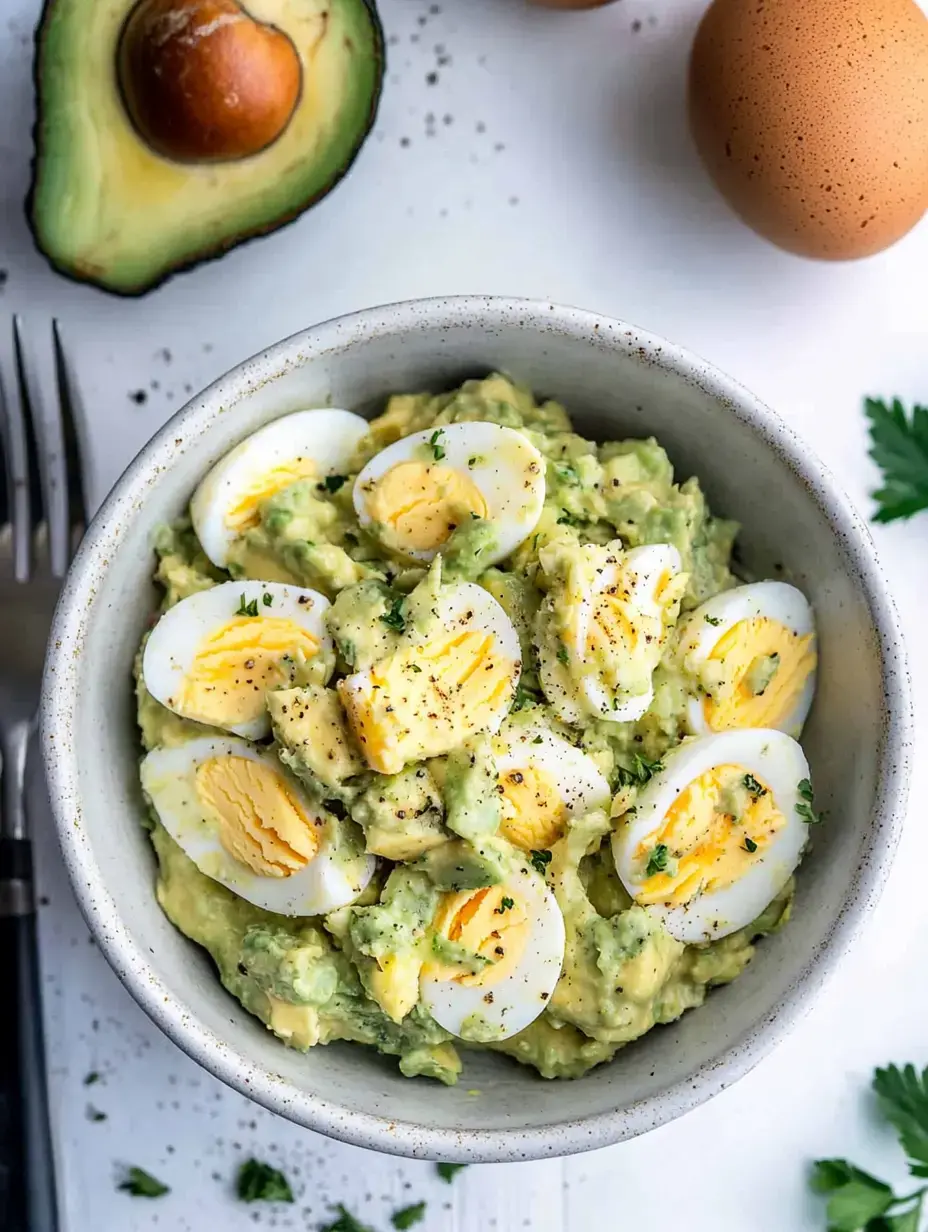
(175, 640)
(580, 784)
(327, 436)
(708, 624)
(522, 995)
(776, 760)
(506, 468)
(335, 876)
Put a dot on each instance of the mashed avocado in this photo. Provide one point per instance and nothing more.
(354, 974)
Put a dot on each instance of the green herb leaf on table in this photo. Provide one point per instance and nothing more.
(408, 1216)
(447, 1172)
(141, 1184)
(94, 1114)
(345, 1222)
(258, 1182)
(903, 1096)
(899, 447)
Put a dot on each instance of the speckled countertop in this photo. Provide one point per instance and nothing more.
(525, 153)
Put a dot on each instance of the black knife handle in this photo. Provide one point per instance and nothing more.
(27, 1178)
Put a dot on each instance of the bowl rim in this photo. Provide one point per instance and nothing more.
(181, 1023)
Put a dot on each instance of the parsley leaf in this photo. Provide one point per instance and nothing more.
(854, 1197)
(505, 904)
(524, 697)
(267, 599)
(639, 772)
(805, 807)
(394, 619)
(259, 1182)
(91, 1078)
(408, 1216)
(899, 447)
(657, 860)
(749, 844)
(903, 1096)
(438, 451)
(345, 1222)
(332, 483)
(712, 620)
(94, 1114)
(562, 655)
(141, 1184)
(539, 861)
(247, 609)
(447, 1172)
(754, 788)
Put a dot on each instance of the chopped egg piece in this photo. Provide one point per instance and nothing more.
(415, 493)
(214, 656)
(247, 823)
(717, 832)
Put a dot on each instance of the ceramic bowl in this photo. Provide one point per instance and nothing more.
(616, 381)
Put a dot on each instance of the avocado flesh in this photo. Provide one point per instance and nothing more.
(106, 209)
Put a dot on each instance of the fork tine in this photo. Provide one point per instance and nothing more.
(18, 480)
(73, 427)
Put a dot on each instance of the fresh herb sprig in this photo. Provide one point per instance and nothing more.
(638, 773)
(141, 1184)
(899, 447)
(258, 1182)
(345, 1222)
(448, 1172)
(408, 1216)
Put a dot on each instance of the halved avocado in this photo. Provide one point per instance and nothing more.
(124, 208)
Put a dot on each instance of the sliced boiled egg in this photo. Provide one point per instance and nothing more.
(415, 493)
(543, 780)
(247, 823)
(717, 832)
(751, 655)
(440, 686)
(213, 656)
(603, 629)
(304, 445)
(496, 958)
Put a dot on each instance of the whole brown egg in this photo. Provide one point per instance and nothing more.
(812, 118)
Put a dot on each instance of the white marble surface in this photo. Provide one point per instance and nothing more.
(556, 163)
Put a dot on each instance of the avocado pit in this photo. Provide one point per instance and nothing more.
(203, 81)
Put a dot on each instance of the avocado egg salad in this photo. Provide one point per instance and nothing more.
(460, 730)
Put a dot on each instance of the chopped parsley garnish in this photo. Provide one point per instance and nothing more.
(805, 808)
(394, 619)
(538, 740)
(657, 860)
(91, 1078)
(749, 844)
(861, 1202)
(899, 447)
(332, 483)
(505, 904)
(571, 519)
(713, 620)
(755, 789)
(539, 861)
(414, 667)
(639, 772)
(562, 655)
(567, 474)
(472, 461)
(524, 697)
(408, 1216)
(141, 1184)
(438, 451)
(267, 599)
(258, 1182)
(447, 1172)
(247, 609)
(94, 1114)
(345, 1222)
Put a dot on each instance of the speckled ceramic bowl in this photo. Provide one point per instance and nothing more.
(616, 381)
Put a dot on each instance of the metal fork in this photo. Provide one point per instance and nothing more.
(42, 515)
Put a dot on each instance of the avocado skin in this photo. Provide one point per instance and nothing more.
(223, 244)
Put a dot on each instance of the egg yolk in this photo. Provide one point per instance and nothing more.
(258, 819)
(244, 514)
(623, 640)
(420, 505)
(756, 673)
(235, 666)
(492, 924)
(533, 813)
(715, 830)
(425, 700)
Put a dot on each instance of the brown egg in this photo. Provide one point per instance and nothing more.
(812, 118)
(203, 81)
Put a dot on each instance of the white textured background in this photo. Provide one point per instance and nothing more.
(549, 158)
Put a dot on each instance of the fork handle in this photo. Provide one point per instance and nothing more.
(27, 1181)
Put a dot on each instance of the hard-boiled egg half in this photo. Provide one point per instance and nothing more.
(543, 780)
(213, 656)
(304, 445)
(416, 492)
(603, 627)
(497, 958)
(751, 654)
(441, 685)
(247, 823)
(717, 832)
